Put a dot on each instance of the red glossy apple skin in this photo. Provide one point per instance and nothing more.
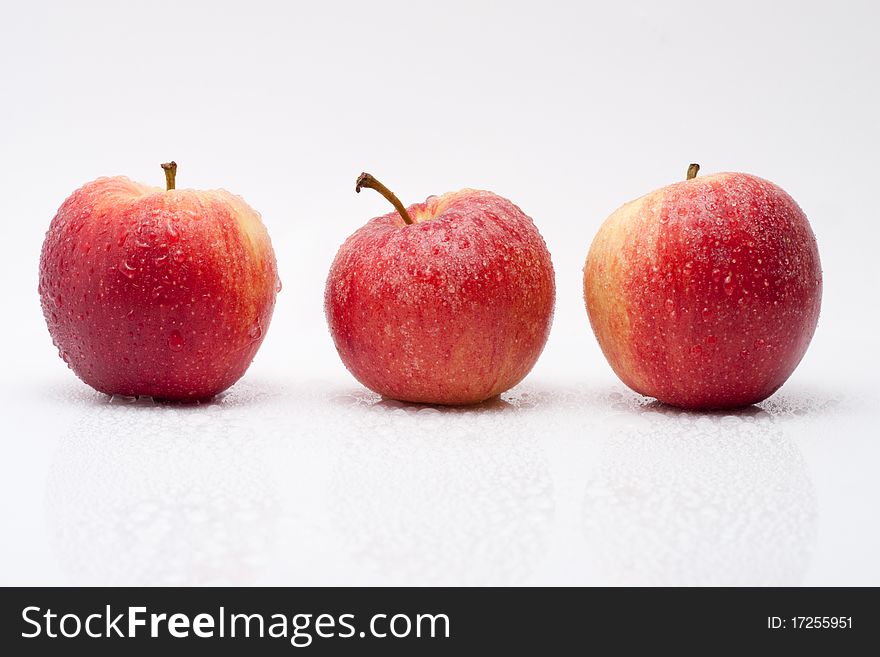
(153, 292)
(705, 294)
(452, 309)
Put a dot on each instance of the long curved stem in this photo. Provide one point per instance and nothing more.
(368, 181)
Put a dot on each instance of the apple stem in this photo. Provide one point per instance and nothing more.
(693, 170)
(366, 180)
(170, 173)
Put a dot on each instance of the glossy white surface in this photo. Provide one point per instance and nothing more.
(328, 484)
(298, 475)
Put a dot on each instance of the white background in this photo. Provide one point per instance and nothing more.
(298, 475)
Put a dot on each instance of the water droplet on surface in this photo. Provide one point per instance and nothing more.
(175, 341)
(728, 284)
(255, 331)
(277, 285)
(696, 350)
(706, 313)
(126, 268)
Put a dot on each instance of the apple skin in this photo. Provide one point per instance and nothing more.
(454, 308)
(153, 292)
(705, 294)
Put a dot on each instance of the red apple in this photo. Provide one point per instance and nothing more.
(446, 302)
(166, 293)
(705, 294)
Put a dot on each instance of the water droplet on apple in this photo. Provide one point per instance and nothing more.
(126, 268)
(728, 284)
(178, 255)
(744, 353)
(255, 331)
(759, 343)
(277, 285)
(697, 350)
(175, 341)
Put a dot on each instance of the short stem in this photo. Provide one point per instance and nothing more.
(170, 173)
(693, 169)
(366, 180)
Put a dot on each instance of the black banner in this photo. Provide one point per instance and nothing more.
(277, 621)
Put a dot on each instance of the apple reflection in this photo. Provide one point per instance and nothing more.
(140, 494)
(700, 500)
(426, 495)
